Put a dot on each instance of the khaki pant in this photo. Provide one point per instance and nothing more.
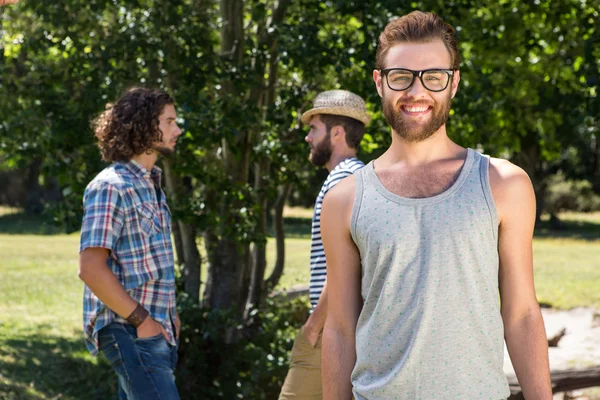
(303, 381)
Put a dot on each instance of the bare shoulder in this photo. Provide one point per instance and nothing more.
(511, 188)
(506, 176)
(340, 192)
(339, 200)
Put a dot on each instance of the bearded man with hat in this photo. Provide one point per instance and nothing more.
(337, 125)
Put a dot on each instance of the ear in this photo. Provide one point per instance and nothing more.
(378, 79)
(455, 80)
(336, 132)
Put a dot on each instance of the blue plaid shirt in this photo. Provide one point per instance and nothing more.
(125, 211)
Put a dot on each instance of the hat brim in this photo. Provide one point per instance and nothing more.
(343, 111)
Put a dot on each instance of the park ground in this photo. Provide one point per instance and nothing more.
(42, 354)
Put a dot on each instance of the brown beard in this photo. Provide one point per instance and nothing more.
(393, 116)
(164, 151)
(321, 153)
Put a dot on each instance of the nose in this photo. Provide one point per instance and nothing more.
(308, 138)
(416, 89)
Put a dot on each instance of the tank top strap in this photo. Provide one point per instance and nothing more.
(359, 178)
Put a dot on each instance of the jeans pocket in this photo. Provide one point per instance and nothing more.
(109, 347)
(155, 352)
(150, 338)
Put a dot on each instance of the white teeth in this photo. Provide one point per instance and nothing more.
(416, 109)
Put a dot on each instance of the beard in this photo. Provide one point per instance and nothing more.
(321, 153)
(400, 125)
(164, 151)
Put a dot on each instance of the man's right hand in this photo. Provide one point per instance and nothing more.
(312, 333)
(150, 328)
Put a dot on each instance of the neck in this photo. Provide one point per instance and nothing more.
(337, 158)
(437, 146)
(147, 159)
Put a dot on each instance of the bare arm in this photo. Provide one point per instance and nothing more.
(105, 285)
(315, 323)
(344, 300)
(524, 330)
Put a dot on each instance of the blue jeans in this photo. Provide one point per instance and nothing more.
(144, 367)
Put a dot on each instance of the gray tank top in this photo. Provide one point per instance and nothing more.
(430, 327)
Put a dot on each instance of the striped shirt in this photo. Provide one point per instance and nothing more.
(125, 211)
(318, 271)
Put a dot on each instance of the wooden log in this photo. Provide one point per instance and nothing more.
(562, 381)
(553, 341)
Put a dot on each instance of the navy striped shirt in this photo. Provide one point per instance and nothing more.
(318, 271)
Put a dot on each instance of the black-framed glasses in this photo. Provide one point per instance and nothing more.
(435, 80)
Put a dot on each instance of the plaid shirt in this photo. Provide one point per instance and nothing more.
(125, 211)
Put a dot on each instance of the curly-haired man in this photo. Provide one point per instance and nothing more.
(126, 255)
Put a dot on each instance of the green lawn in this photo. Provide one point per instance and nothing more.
(42, 355)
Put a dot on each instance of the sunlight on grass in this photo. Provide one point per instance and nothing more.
(567, 272)
(297, 212)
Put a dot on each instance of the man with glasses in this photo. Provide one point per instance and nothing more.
(420, 242)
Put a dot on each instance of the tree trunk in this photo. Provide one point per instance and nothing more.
(597, 165)
(226, 257)
(229, 262)
(226, 260)
(52, 194)
(33, 204)
(176, 231)
(259, 254)
(191, 267)
(284, 192)
(246, 279)
(187, 250)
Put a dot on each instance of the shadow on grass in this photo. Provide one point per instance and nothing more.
(47, 367)
(583, 230)
(21, 223)
(568, 229)
(294, 227)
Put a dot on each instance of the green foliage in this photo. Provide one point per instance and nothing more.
(528, 92)
(254, 367)
(571, 195)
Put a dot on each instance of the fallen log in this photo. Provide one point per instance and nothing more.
(562, 381)
(553, 341)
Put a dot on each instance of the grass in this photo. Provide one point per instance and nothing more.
(42, 354)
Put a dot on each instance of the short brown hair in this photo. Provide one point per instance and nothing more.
(354, 129)
(129, 127)
(418, 27)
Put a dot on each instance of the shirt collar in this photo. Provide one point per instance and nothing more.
(139, 171)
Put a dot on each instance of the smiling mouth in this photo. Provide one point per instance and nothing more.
(416, 110)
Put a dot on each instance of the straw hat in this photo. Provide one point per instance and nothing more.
(339, 102)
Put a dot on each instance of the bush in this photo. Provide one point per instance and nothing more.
(570, 195)
(254, 367)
